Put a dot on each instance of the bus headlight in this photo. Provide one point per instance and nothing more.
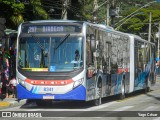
(78, 82)
(21, 82)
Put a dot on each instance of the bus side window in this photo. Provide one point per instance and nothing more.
(89, 53)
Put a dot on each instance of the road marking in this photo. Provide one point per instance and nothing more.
(10, 109)
(157, 118)
(123, 108)
(87, 109)
(34, 110)
(150, 108)
(101, 106)
(146, 100)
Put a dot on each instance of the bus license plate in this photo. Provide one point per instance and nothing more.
(48, 97)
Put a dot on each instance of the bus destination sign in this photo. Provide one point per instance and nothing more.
(50, 29)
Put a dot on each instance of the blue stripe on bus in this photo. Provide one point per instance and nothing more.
(118, 85)
(78, 93)
(140, 80)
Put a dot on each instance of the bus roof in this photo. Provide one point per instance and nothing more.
(43, 21)
(62, 21)
(140, 39)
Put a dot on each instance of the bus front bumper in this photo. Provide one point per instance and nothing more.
(78, 93)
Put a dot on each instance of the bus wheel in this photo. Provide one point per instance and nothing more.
(148, 84)
(98, 101)
(122, 94)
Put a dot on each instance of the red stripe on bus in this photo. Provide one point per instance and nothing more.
(49, 82)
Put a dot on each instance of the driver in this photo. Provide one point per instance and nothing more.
(77, 55)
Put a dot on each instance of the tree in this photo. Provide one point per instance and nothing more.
(139, 23)
(85, 10)
(38, 10)
(12, 12)
(2, 27)
(17, 12)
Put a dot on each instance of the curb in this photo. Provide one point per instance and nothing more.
(15, 103)
(6, 104)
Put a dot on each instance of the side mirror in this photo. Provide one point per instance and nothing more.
(93, 42)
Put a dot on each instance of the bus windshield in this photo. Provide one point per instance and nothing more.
(52, 54)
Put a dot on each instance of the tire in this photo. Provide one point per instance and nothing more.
(122, 94)
(148, 89)
(98, 101)
(148, 84)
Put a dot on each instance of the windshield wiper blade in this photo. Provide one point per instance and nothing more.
(62, 40)
(37, 41)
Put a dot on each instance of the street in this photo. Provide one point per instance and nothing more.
(144, 106)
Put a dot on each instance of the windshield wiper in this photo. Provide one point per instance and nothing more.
(37, 41)
(42, 63)
(62, 40)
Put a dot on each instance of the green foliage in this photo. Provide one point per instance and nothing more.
(37, 10)
(12, 12)
(16, 13)
(41, 13)
(134, 25)
(17, 8)
(85, 10)
(16, 19)
(139, 23)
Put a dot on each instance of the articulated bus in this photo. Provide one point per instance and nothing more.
(74, 60)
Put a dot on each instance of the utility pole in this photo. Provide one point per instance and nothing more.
(112, 13)
(96, 8)
(158, 40)
(95, 11)
(149, 30)
(64, 11)
(108, 17)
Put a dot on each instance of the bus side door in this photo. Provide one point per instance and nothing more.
(107, 66)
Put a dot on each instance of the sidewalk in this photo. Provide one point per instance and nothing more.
(157, 85)
(11, 102)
